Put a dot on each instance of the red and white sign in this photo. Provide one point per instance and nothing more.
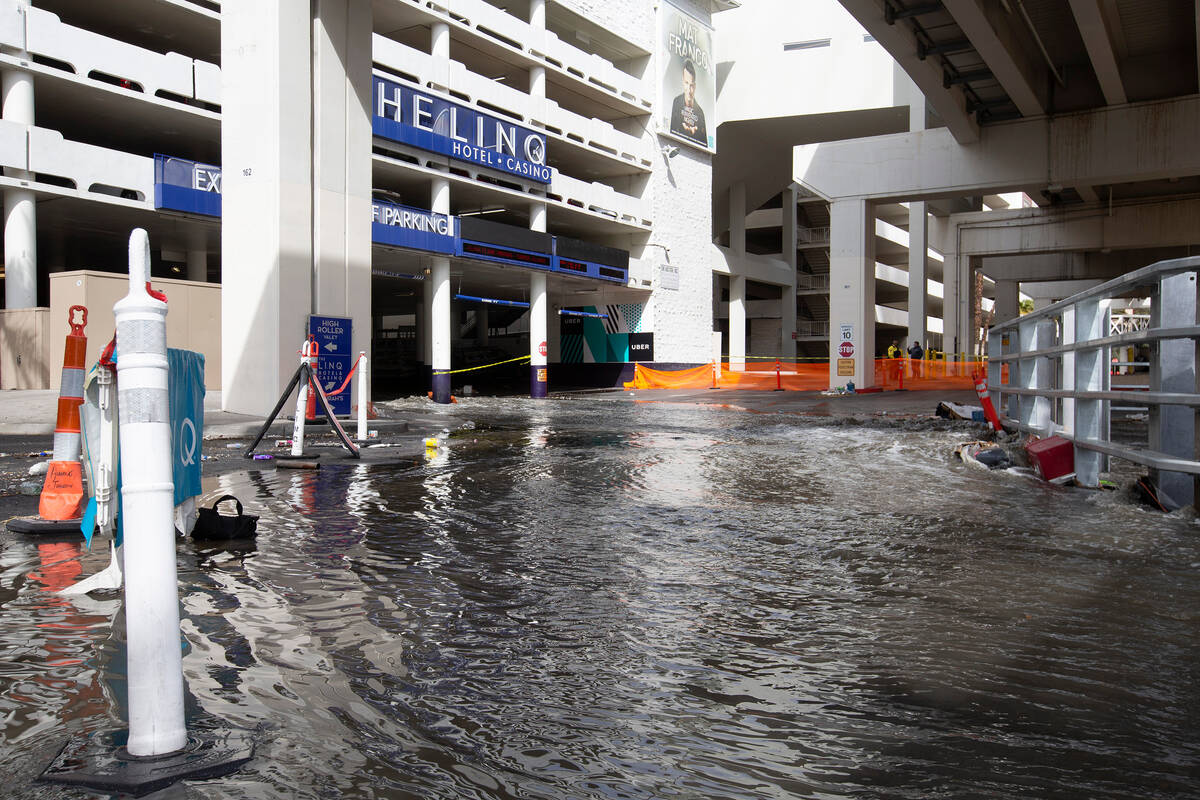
(542, 349)
(846, 349)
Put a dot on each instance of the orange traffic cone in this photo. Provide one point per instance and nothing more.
(60, 507)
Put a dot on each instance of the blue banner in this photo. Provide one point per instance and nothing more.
(185, 392)
(334, 358)
(407, 115)
(402, 226)
(183, 185)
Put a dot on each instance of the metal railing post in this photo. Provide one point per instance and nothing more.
(1172, 428)
(1090, 372)
(1036, 373)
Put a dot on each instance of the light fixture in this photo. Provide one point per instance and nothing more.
(670, 150)
(479, 212)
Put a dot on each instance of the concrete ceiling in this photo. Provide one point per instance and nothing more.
(982, 61)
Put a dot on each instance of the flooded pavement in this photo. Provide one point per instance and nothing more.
(596, 598)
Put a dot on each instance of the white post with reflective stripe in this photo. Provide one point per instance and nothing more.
(155, 666)
(362, 396)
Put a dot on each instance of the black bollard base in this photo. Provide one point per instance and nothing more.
(36, 526)
(101, 761)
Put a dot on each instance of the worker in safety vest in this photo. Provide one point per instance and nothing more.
(894, 350)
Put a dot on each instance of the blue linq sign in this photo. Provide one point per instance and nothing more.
(186, 185)
(409, 116)
(416, 228)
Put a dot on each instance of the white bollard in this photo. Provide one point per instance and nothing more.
(302, 402)
(362, 396)
(155, 665)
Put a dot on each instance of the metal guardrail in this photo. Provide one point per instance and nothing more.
(813, 328)
(819, 235)
(1059, 361)
(819, 282)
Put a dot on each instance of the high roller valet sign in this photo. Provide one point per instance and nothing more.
(334, 358)
(688, 86)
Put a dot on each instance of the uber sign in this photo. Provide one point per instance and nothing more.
(641, 347)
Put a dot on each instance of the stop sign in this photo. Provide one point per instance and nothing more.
(542, 349)
(846, 349)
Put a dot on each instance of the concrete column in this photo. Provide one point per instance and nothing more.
(439, 48)
(918, 245)
(737, 323)
(787, 310)
(1008, 301)
(852, 292)
(538, 308)
(537, 14)
(481, 325)
(295, 100)
(424, 323)
(20, 205)
(197, 264)
(440, 332)
(737, 281)
(538, 345)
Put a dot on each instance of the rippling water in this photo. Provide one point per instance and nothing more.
(597, 599)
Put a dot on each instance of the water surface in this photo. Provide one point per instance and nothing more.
(603, 599)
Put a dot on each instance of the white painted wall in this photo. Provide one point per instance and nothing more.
(762, 80)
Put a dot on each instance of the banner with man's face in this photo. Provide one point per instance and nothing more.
(689, 87)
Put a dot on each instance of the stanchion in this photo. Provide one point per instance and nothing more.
(60, 506)
(306, 398)
(778, 377)
(362, 397)
(158, 750)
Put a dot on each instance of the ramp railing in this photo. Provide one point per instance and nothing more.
(1059, 376)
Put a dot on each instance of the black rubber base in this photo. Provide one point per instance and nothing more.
(101, 762)
(43, 527)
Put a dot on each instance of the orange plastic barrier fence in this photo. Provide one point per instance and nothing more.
(890, 374)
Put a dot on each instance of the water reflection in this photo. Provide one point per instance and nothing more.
(598, 600)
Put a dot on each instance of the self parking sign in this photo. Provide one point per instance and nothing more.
(334, 358)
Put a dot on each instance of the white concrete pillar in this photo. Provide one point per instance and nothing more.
(737, 281)
(787, 310)
(537, 82)
(439, 324)
(424, 326)
(918, 245)
(438, 293)
(737, 323)
(539, 383)
(439, 48)
(537, 14)
(295, 100)
(20, 205)
(539, 307)
(1008, 301)
(851, 293)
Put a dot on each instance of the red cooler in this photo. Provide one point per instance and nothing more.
(1052, 458)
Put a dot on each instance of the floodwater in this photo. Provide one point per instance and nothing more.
(601, 599)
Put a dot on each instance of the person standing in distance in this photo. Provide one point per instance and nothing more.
(687, 118)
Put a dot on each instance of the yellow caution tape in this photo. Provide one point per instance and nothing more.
(482, 366)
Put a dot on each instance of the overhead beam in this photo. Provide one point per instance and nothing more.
(1000, 43)
(1088, 193)
(1134, 226)
(1094, 28)
(900, 42)
(1121, 144)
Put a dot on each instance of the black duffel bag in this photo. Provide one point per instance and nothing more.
(212, 524)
